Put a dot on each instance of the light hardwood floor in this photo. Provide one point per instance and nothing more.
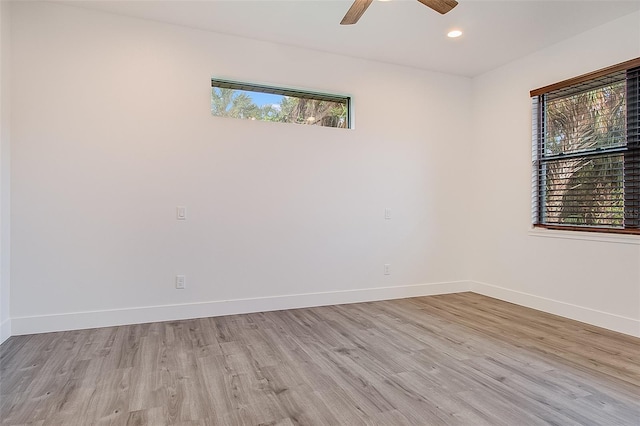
(459, 359)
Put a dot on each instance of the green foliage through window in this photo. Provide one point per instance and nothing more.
(587, 153)
(257, 102)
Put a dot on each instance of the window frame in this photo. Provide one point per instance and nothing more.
(289, 92)
(632, 151)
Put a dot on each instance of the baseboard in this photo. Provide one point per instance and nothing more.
(606, 320)
(5, 330)
(140, 315)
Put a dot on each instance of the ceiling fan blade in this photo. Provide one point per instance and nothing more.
(440, 6)
(355, 12)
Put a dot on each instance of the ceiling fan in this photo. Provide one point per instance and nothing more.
(359, 6)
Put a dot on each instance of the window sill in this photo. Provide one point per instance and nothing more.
(585, 236)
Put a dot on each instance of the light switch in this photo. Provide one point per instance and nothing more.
(181, 213)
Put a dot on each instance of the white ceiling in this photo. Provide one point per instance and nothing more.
(400, 31)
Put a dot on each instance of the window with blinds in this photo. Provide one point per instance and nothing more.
(586, 152)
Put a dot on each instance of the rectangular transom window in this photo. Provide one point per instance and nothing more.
(586, 152)
(258, 102)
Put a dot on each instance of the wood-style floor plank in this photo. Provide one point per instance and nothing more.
(459, 359)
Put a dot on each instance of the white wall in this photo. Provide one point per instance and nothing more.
(595, 280)
(111, 130)
(5, 34)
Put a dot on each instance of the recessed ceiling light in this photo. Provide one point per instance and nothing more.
(454, 33)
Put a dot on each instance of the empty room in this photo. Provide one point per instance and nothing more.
(320, 212)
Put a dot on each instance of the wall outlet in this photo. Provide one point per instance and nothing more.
(387, 269)
(181, 282)
(387, 214)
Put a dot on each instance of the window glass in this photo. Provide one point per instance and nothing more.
(258, 102)
(586, 152)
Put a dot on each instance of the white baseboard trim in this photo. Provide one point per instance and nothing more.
(140, 315)
(606, 320)
(5, 330)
